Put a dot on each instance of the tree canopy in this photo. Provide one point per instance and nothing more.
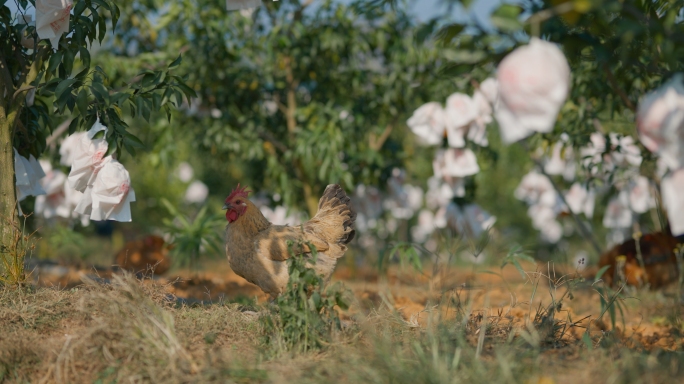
(294, 95)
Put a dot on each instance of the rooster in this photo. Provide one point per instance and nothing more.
(257, 250)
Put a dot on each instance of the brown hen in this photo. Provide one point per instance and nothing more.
(657, 251)
(257, 250)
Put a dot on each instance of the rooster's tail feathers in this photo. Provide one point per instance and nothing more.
(335, 205)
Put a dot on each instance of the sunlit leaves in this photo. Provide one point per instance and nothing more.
(192, 235)
(350, 82)
(506, 18)
(90, 93)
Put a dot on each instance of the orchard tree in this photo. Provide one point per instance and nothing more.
(618, 50)
(306, 92)
(42, 85)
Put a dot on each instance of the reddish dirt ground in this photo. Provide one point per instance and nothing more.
(650, 320)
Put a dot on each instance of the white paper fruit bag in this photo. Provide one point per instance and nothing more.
(88, 157)
(52, 19)
(112, 193)
(28, 173)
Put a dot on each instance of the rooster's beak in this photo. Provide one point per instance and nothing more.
(227, 206)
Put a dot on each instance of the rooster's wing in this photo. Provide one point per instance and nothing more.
(329, 231)
(274, 242)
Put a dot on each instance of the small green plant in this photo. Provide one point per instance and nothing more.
(407, 254)
(411, 253)
(67, 244)
(12, 255)
(515, 254)
(640, 258)
(304, 317)
(610, 299)
(679, 254)
(191, 235)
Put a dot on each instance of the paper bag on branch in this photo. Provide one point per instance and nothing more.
(28, 173)
(112, 194)
(88, 158)
(52, 19)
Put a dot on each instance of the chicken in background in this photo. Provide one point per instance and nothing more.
(148, 254)
(257, 250)
(657, 251)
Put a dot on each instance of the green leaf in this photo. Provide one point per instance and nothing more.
(134, 141)
(139, 104)
(176, 62)
(116, 13)
(81, 75)
(50, 86)
(156, 101)
(119, 98)
(148, 80)
(102, 3)
(601, 272)
(426, 31)
(159, 78)
(586, 339)
(82, 102)
(506, 18)
(73, 125)
(467, 3)
(102, 26)
(455, 70)
(134, 109)
(85, 57)
(100, 92)
(145, 111)
(79, 8)
(68, 62)
(63, 87)
(90, 121)
(129, 148)
(462, 56)
(54, 62)
(189, 92)
(517, 266)
(448, 33)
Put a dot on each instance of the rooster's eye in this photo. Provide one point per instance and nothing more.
(237, 202)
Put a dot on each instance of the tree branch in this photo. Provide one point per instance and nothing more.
(616, 87)
(376, 142)
(269, 138)
(281, 107)
(6, 84)
(35, 67)
(587, 234)
(291, 96)
(17, 103)
(58, 132)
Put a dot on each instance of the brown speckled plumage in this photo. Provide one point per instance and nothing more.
(657, 251)
(257, 250)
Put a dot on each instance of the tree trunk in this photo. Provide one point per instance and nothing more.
(12, 100)
(290, 115)
(8, 198)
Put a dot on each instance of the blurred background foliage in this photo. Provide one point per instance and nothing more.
(299, 94)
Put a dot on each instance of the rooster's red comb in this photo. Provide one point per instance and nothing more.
(238, 192)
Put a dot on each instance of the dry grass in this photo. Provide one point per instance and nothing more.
(12, 254)
(130, 331)
(124, 331)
